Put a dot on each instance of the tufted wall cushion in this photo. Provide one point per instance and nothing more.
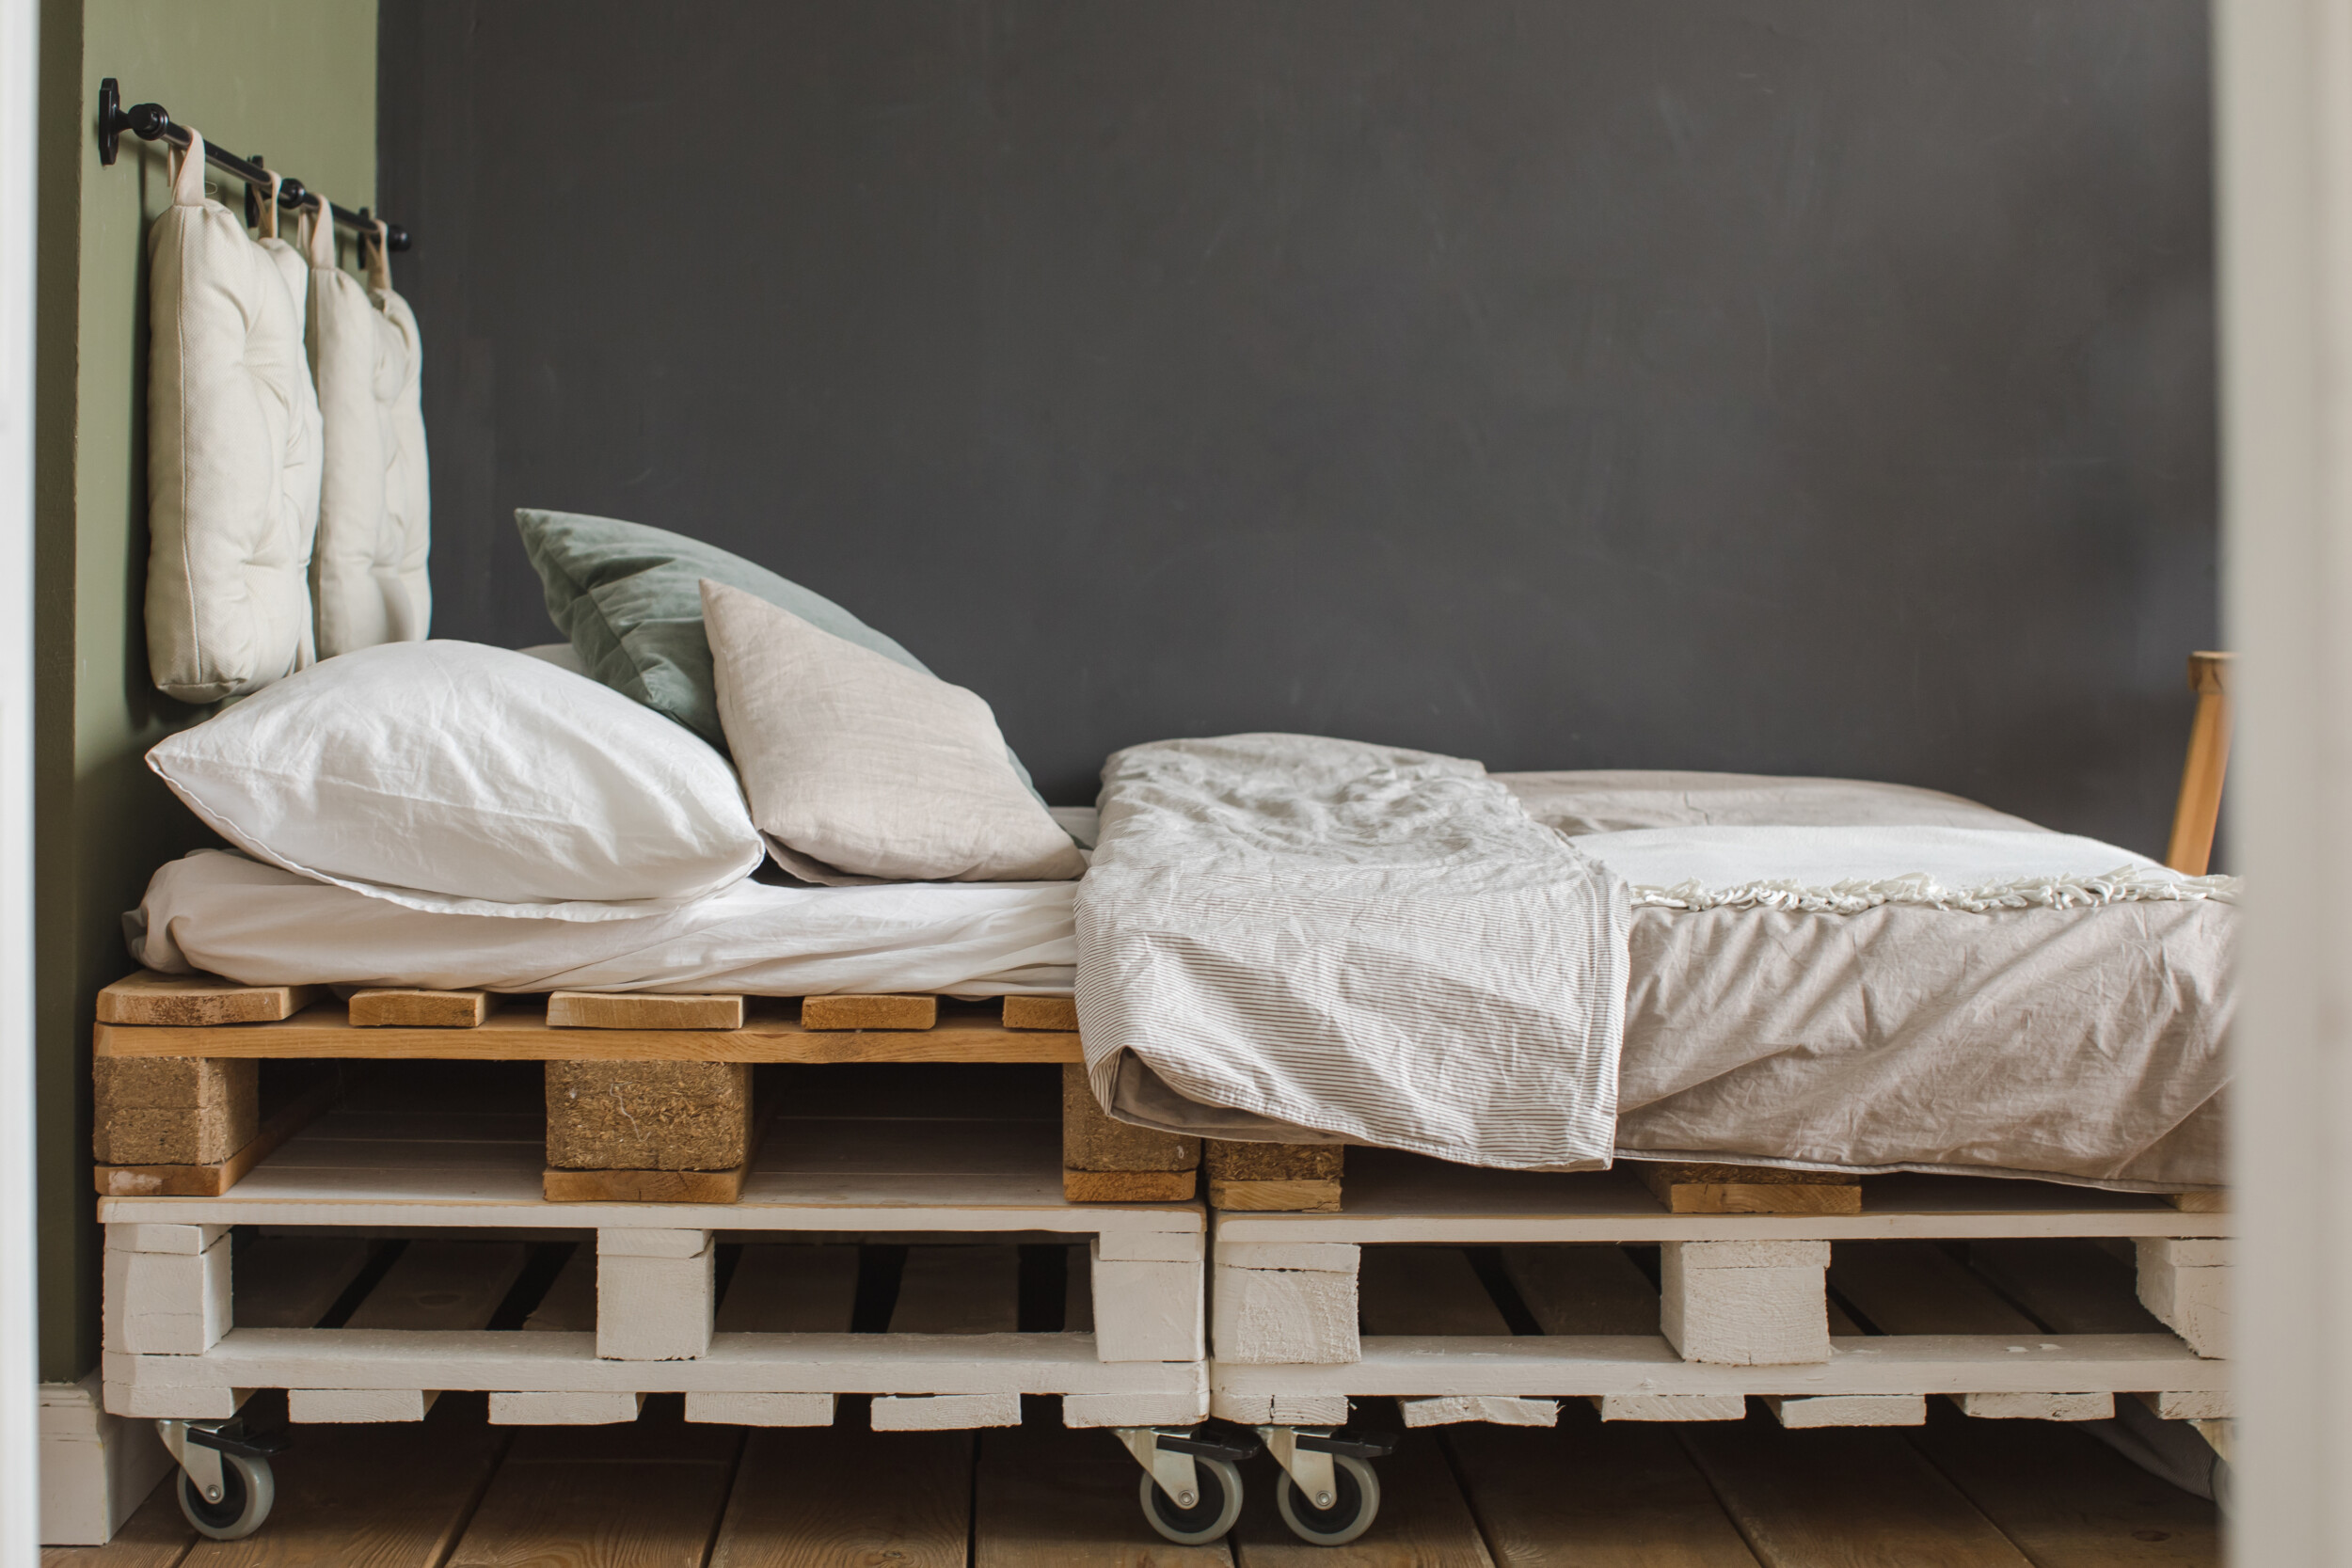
(375, 528)
(229, 477)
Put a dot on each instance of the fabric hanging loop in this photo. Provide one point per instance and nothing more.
(380, 260)
(268, 215)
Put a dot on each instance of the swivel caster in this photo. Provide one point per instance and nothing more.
(225, 1484)
(1329, 1494)
(1191, 1484)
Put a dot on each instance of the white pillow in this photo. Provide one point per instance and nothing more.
(370, 580)
(232, 461)
(455, 777)
(858, 763)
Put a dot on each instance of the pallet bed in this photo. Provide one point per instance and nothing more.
(1486, 1296)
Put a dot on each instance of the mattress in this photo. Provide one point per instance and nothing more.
(2085, 1044)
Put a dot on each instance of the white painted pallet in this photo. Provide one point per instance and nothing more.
(1739, 1306)
(637, 1310)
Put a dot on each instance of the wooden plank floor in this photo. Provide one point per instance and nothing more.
(455, 1492)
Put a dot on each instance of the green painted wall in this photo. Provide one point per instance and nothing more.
(294, 80)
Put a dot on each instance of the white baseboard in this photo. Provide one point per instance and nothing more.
(95, 1468)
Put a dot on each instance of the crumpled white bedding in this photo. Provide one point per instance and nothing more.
(218, 911)
(1370, 943)
(1846, 870)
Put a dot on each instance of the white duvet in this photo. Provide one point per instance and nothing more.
(227, 916)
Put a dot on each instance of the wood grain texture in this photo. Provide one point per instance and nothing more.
(1848, 1497)
(2067, 1499)
(290, 1281)
(2071, 1285)
(1424, 1290)
(1048, 1498)
(197, 1001)
(847, 1496)
(442, 1285)
(370, 1496)
(595, 1009)
(958, 1289)
(1582, 1497)
(2198, 810)
(644, 1186)
(518, 1033)
(1228, 1160)
(173, 1110)
(648, 1116)
(1711, 1189)
(1275, 1198)
(1918, 1287)
(1042, 1012)
(869, 1012)
(155, 1536)
(790, 1289)
(2208, 1202)
(614, 1513)
(1582, 1290)
(1423, 1522)
(386, 1008)
(1129, 1186)
(212, 1180)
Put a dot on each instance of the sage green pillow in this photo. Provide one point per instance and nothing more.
(629, 597)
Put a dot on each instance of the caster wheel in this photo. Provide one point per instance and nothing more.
(246, 1491)
(1350, 1514)
(1205, 1520)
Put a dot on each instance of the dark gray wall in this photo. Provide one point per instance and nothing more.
(1795, 386)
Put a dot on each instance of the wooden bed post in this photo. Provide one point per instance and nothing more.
(2199, 807)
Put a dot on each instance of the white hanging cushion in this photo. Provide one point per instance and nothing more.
(231, 485)
(470, 780)
(305, 457)
(374, 533)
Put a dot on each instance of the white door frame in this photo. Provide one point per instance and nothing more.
(20, 1512)
(2283, 102)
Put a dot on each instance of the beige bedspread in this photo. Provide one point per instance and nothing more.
(2085, 1044)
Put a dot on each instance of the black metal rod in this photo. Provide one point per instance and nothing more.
(152, 122)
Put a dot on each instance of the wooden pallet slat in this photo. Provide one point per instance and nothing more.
(869, 1012)
(958, 1289)
(644, 1009)
(1424, 1290)
(521, 1033)
(387, 1007)
(1687, 1188)
(290, 1281)
(1274, 1178)
(1059, 1013)
(197, 1001)
(442, 1285)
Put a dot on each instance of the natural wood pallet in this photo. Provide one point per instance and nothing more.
(213, 1178)
(1685, 1188)
(769, 1034)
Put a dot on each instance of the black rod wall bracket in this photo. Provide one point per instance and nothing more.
(152, 122)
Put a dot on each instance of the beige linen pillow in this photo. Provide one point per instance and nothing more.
(855, 761)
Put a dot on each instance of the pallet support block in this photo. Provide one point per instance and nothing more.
(1282, 1304)
(1133, 1410)
(1146, 1311)
(761, 1410)
(1058, 1014)
(1745, 1304)
(348, 1405)
(1250, 1177)
(1670, 1407)
(1500, 1409)
(1290, 1410)
(597, 1408)
(167, 1289)
(1848, 1410)
(151, 1000)
(2037, 1408)
(869, 1012)
(173, 1110)
(388, 1007)
(2210, 1406)
(1108, 1161)
(945, 1412)
(648, 1116)
(1686, 1188)
(644, 1009)
(656, 1294)
(2186, 1283)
